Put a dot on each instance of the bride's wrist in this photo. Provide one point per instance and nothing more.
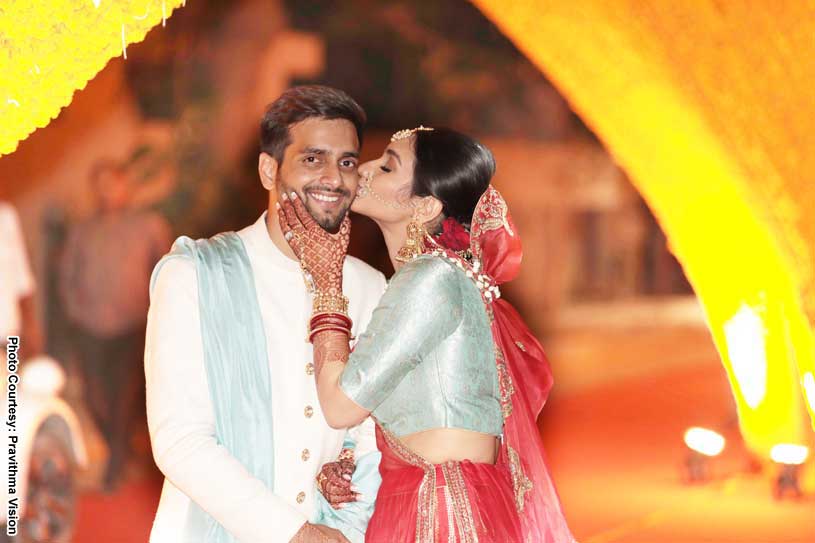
(329, 300)
(329, 314)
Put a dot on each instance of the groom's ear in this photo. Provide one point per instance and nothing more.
(267, 169)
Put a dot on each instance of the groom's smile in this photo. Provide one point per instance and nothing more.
(326, 200)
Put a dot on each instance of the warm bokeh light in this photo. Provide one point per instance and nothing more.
(43, 375)
(745, 335)
(809, 389)
(704, 441)
(789, 454)
(720, 156)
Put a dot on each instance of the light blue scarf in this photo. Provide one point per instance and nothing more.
(236, 363)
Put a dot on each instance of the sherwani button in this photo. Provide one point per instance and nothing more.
(308, 411)
(306, 455)
(301, 497)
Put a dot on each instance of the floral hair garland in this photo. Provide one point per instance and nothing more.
(454, 236)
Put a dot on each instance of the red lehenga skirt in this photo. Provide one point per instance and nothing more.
(455, 502)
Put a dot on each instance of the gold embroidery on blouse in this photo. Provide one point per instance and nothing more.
(521, 346)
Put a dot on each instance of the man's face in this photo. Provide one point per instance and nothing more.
(113, 189)
(320, 165)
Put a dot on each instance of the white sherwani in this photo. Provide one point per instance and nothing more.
(179, 410)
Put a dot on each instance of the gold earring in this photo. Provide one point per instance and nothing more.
(413, 246)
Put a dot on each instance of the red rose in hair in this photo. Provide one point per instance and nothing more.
(454, 236)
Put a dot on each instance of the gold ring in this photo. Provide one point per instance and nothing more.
(321, 480)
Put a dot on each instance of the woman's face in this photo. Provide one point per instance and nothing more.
(388, 181)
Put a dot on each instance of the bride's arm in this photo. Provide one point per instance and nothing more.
(420, 308)
(330, 355)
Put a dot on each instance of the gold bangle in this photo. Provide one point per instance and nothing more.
(329, 303)
(321, 480)
(347, 454)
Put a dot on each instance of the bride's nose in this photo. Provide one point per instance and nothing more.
(366, 169)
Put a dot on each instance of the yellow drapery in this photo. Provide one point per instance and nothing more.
(708, 106)
(48, 50)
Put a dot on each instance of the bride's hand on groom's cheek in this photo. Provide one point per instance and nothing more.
(321, 253)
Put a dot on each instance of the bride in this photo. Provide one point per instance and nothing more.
(449, 371)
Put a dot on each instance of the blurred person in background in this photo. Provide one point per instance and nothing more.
(103, 282)
(17, 307)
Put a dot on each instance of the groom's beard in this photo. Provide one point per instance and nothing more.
(329, 220)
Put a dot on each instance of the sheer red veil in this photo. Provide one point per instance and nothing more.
(524, 373)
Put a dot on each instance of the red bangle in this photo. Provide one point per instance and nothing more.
(319, 320)
(332, 324)
(328, 328)
(319, 317)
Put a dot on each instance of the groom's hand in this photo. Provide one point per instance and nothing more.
(317, 533)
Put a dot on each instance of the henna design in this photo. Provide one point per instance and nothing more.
(321, 254)
(330, 347)
(333, 484)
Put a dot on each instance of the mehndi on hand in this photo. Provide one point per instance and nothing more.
(334, 482)
(321, 253)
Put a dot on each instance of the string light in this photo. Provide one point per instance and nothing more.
(143, 17)
(124, 43)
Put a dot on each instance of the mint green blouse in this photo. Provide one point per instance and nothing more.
(427, 358)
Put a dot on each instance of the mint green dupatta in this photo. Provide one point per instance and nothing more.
(236, 363)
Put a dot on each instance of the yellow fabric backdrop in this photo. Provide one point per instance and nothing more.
(709, 106)
(48, 50)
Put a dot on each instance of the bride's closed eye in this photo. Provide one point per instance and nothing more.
(385, 169)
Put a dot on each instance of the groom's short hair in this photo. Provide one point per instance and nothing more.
(305, 102)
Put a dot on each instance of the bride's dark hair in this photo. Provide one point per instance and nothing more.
(453, 168)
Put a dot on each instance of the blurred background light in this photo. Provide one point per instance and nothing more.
(745, 334)
(704, 441)
(790, 454)
(809, 389)
(42, 375)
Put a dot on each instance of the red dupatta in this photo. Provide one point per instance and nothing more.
(525, 377)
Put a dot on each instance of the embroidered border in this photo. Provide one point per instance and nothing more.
(520, 482)
(426, 519)
(505, 386)
(491, 214)
(461, 508)
(459, 511)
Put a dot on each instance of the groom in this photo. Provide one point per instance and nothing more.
(234, 418)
